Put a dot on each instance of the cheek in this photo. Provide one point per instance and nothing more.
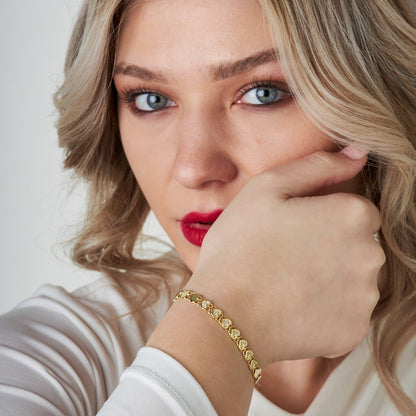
(142, 169)
(291, 136)
(141, 150)
(278, 137)
(150, 161)
(146, 142)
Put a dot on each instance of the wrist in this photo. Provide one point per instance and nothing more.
(227, 325)
(194, 339)
(240, 309)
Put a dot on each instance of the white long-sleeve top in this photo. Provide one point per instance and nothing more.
(83, 353)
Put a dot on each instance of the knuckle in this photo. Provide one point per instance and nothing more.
(375, 215)
(380, 255)
(358, 206)
(376, 257)
(365, 329)
(373, 296)
(363, 324)
(362, 212)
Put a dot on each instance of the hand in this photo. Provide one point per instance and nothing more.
(296, 273)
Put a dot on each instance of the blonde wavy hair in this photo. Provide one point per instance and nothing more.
(351, 65)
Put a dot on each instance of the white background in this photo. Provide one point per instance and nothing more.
(37, 211)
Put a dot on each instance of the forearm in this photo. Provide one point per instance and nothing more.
(188, 334)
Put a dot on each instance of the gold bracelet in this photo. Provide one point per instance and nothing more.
(227, 325)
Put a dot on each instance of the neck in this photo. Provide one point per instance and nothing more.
(293, 385)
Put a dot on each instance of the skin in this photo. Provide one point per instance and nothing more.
(206, 147)
(201, 150)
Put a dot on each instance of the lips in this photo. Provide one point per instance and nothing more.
(196, 224)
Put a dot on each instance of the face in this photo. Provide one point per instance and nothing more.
(203, 106)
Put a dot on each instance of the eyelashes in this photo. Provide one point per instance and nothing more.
(143, 96)
(265, 92)
(258, 94)
(279, 85)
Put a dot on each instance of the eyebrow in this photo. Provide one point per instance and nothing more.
(218, 72)
(232, 69)
(138, 72)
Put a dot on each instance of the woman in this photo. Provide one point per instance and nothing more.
(227, 119)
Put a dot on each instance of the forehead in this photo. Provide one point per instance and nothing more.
(191, 34)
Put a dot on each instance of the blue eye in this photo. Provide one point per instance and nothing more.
(264, 95)
(151, 101)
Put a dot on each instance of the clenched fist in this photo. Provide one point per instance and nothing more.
(295, 266)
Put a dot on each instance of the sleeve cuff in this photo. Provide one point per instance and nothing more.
(158, 384)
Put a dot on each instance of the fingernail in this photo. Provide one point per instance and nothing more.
(354, 153)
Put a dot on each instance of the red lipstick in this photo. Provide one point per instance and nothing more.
(196, 224)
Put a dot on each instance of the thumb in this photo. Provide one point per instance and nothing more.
(307, 175)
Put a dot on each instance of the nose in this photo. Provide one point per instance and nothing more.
(203, 153)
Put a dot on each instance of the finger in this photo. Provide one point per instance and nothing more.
(306, 176)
